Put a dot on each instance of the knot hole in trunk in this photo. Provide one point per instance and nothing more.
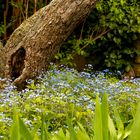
(17, 63)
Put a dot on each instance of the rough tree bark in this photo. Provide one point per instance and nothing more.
(35, 42)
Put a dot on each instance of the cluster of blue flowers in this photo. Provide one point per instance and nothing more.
(66, 85)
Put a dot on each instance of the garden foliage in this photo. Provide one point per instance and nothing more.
(62, 93)
(103, 127)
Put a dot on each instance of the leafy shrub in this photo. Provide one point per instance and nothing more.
(63, 92)
(106, 38)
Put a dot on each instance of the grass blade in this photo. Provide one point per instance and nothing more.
(112, 130)
(128, 130)
(98, 135)
(43, 128)
(135, 134)
(71, 129)
(15, 130)
(59, 136)
(19, 130)
(104, 108)
(24, 132)
(67, 135)
(82, 134)
(119, 124)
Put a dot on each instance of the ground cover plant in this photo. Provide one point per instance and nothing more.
(103, 127)
(63, 92)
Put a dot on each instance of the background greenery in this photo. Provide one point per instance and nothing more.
(105, 39)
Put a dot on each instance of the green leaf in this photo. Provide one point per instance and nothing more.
(59, 136)
(98, 134)
(18, 130)
(135, 135)
(128, 130)
(67, 135)
(104, 107)
(24, 132)
(119, 124)
(82, 134)
(71, 129)
(43, 134)
(112, 130)
(15, 130)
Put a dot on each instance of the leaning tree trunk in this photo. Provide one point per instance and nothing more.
(35, 42)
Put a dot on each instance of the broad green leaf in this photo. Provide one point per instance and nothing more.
(24, 132)
(18, 130)
(34, 132)
(45, 135)
(105, 116)
(71, 129)
(135, 134)
(82, 134)
(60, 135)
(128, 130)
(67, 135)
(112, 130)
(98, 135)
(120, 127)
(15, 129)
